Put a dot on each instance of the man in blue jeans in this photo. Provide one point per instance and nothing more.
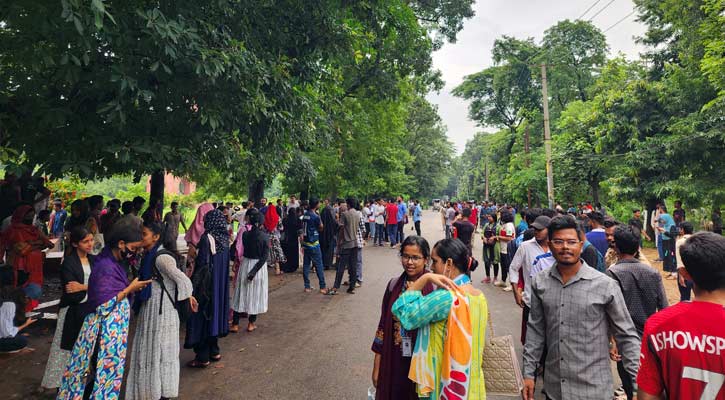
(311, 226)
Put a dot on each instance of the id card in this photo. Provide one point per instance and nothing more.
(407, 346)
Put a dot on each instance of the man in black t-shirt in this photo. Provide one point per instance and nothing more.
(465, 229)
(636, 221)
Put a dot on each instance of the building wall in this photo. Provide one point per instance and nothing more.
(174, 185)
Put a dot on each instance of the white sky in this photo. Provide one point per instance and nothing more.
(521, 19)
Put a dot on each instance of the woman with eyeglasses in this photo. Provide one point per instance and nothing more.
(451, 323)
(393, 345)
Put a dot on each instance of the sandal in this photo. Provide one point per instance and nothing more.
(215, 358)
(324, 291)
(251, 329)
(331, 292)
(196, 364)
(234, 328)
(308, 290)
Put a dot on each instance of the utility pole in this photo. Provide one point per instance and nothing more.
(485, 167)
(527, 160)
(547, 139)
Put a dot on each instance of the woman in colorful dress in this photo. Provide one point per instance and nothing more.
(154, 362)
(393, 344)
(211, 290)
(74, 274)
(103, 338)
(251, 291)
(457, 313)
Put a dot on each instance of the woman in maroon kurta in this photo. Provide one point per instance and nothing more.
(393, 345)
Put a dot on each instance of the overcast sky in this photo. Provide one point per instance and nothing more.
(521, 19)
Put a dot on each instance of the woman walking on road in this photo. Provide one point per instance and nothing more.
(291, 241)
(154, 361)
(211, 290)
(451, 326)
(251, 291)
(74, 274)
(393, 344)
(491, 247)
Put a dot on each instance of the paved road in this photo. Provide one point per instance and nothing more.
(312, 346)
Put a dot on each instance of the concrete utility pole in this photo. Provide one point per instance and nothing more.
(485, 167)
(527, 161)
(547, 139)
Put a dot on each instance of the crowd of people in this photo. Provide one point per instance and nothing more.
(589, 296)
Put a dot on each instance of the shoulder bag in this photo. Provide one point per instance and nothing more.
(501, 371)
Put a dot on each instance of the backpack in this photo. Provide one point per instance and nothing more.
(183, 307)
(600, 259)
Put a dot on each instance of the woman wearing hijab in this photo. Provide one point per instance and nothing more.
(24, 245)
(211, 290)
(196, 230)
(74, 274)
(271, 219)
(154, 362)
(328, 236)
(393, 344)
(251, 291)
(451, 323)
(291, 242)
(103, 338)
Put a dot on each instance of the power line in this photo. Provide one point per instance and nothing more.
(618, 22)
(588, 9)
(600, 11)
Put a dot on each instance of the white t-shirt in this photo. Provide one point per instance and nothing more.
(7, 314)
(509, 230)
(379, 214)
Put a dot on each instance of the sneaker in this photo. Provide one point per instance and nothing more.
(486, 280)
(508, 288)
(358, 285)
(499, 283)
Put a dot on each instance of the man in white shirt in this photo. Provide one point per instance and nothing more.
(531, 252)
(379, 218)
(450, 217)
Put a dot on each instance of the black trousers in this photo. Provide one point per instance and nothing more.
(236, 316)
(626, 380)
(489, 258)
(347, 259)
(505, 265)
(14, 343)
(401, 232)
(417, 228)
(206, 348)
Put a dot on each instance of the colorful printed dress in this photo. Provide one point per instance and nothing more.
(430, 313)
(107, 325)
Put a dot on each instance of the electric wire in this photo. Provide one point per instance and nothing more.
(589, 9)
(600, 11)
(619, 22)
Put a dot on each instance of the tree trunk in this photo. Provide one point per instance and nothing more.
(256, 191)
(156, 191)
(594, 185)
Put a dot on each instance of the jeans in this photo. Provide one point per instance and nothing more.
(401, 231)
(417, 227)
(371, 230)
(313, 254)
(359, 264)
(347, 259)
(660, 249)
(392, 234)
(449, 232)
(685, 292)
(379, 234)
(206, 348)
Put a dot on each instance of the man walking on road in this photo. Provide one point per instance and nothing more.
(379, 213)
(391, 219)
(417, 213)
(311, 227)
(349, 231)
(450, 218)
(573, 308)
(402, 216)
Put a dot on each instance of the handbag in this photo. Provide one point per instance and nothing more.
(501, 370)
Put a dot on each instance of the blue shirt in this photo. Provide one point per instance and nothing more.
(310, 222)
(522, 227)
(416, 213)
(402, 209)
(59, 222)
(598, 239)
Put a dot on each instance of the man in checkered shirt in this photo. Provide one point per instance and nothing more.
(573, 310)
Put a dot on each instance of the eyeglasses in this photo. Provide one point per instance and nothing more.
(406, 258)
(561, 242)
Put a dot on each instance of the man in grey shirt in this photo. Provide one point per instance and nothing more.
(349, 230)
(450, 217)
(642, 288)
(573, 309)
